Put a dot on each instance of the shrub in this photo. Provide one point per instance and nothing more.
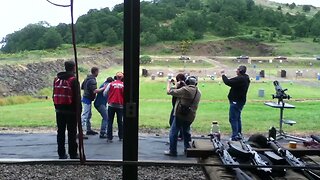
(145, 59)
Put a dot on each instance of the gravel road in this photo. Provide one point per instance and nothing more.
(79, 172)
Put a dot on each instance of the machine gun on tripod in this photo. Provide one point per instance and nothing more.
(280, 93)
(293, 161)
(226, 158)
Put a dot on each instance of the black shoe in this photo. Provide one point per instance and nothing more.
(91, 132)
(63, 157)
(75, 157)
(103, 136)
(83, 136)
(168, 153)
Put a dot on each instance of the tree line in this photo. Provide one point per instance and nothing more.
(169, 20)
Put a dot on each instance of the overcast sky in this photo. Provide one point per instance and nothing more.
(16, 14)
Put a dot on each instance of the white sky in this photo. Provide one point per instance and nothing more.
(16, 14)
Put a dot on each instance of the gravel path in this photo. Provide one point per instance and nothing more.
(79, 172)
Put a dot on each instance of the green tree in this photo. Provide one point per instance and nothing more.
(292, 5)
(111, 36)
(145, 59)
(285, 29)
(194, 4)
(279, 8)
(315, 28)
(147, 38)
(50, 40)
(306, 8)
(227, 27)
(301, 30)
(65, 31)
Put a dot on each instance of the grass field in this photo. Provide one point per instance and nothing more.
(155, 108)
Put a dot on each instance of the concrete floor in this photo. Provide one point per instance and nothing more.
(44, 146)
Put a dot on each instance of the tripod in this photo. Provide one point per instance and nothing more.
(281, 95)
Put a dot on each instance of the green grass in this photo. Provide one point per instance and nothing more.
(302, 47)
(155, 107)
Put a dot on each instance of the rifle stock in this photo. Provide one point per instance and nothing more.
(227, 159)
(256, 159)
(292, 160)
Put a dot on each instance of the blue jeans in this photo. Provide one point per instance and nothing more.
(86, 117)
(176, 126)
(102, 109)
(111, 112)
(235, 118)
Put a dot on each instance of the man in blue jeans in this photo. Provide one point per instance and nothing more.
(89, 86)
(115, 93)
(100, 103)
(237, 98)
(188, 95)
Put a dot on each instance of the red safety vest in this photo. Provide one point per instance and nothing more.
(62, 91)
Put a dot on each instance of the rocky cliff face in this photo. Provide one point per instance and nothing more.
(28, 79)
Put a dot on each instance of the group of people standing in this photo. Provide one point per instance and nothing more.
(107, 100)
(185, 99)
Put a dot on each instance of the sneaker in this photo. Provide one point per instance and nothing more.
(235, 139)
(109, 141)
(63, 157)
(180, 139)
(103, 136)
(75, 157)
(169, 153)
(91, 132)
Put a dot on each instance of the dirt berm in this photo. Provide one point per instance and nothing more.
(29, 78)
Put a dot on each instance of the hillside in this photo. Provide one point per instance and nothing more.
(29, 78)
(285, 8)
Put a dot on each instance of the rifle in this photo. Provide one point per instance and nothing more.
(293, 161)
(316, 138)
(257, 160)
(226, 158)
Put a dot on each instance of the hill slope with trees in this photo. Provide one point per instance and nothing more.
(174, 20)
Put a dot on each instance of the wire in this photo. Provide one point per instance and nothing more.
(60, 5)
(78, 110)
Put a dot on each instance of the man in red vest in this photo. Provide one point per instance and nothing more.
(65, 93)
(115, 93)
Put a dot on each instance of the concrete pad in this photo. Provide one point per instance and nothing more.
(44, 146)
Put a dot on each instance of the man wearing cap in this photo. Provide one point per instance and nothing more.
(187, 96)
(237, 98)
(115, 93)
(65, 98)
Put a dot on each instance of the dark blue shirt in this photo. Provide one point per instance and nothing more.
(100, 99)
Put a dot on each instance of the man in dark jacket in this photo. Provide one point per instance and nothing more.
(237, 98)
(65, 98)
(100, 103)
(89, 86)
